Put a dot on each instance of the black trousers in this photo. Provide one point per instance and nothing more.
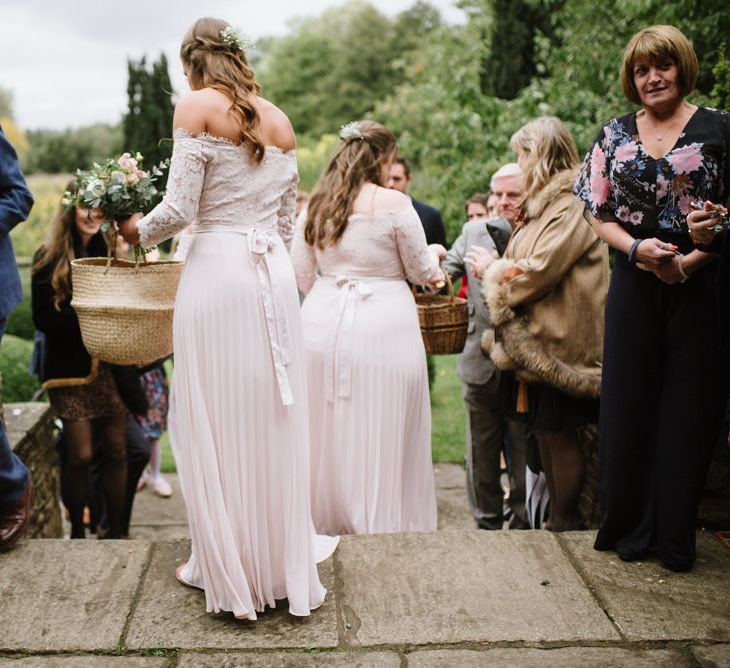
(664, 390)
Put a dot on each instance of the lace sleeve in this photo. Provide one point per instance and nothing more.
(179, 207)
(419, 265)
(286, 218)
(303, 257)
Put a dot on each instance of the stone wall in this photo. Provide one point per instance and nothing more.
(30, 432)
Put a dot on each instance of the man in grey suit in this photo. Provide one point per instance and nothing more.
(486, 425)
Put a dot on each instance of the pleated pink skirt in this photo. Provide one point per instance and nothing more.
(369, 410)
(242, 455)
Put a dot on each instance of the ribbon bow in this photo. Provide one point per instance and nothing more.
(339, 371)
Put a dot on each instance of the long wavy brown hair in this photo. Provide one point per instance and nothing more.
(215, 64)
(58, 251)
(355, 161)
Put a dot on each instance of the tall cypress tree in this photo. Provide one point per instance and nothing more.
(511, 61)
(148, 122)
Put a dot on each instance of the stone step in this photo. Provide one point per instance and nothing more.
(432, 599)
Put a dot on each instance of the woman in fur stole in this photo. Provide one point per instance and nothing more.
(546, 298)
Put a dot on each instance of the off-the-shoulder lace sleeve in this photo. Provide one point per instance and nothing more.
(179, 207)
(419, 264)
(286, 215)
(302, 257)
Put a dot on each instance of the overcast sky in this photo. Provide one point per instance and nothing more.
(65, 61)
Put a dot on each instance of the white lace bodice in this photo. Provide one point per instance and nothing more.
(388, 244)
(214, 182)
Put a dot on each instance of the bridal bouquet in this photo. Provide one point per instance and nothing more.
(119, 187)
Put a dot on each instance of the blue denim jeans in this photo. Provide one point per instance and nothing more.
(13, 474)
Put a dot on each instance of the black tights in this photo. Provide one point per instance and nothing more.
(564, 466)
(77, 441)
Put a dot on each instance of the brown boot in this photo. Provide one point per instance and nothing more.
(14, 519)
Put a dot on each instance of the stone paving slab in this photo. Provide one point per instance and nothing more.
(453, 510)
(449, 476)
(62, 595)
(46, 661)
(648, 602)
(150, 509)
(715, 656)
(567, 657)
(292, 660)
(171, 615)
(156, 533)
(449, 587)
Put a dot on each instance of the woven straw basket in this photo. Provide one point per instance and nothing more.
(124, 308)
(444, 321)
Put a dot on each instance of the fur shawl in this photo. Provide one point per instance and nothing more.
(528, 337)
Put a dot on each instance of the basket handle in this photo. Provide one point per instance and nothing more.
(449, 284)
(112, 249)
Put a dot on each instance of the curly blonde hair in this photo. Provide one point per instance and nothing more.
(548, 147)
(356, 160)
(214, 63)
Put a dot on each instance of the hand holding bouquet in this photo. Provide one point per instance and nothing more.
(119, 187)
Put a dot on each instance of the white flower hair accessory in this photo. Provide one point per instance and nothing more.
(351, 131)
(236, 39)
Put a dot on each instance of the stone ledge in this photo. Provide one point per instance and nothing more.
(30, 432)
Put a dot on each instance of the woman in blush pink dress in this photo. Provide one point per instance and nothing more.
(238, 414)
(369, 411)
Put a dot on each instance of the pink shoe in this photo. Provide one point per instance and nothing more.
(161, 487)
(180, 579)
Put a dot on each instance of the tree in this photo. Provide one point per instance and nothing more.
(336, 67)
(148, 122)
(721, 89)
(15, 136)
(65, 151)
(6, 103)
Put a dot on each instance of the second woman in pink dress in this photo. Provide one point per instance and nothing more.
(369, 409)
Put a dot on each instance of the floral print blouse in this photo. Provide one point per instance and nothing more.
(620, 182)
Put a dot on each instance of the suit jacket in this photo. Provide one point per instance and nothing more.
(433, 226)
(15, 205)
(473, 366)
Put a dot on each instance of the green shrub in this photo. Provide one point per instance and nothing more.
(20, 320)
(18, 384)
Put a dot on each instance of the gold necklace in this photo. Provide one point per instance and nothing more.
(661, 136)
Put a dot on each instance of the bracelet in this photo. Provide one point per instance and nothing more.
(682, 273)
(632, 250)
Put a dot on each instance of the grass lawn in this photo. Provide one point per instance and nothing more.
(447, 406)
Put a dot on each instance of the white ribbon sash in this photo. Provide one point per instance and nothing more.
(260, 242)
(338, 370)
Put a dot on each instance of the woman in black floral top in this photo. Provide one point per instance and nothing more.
(665, 375)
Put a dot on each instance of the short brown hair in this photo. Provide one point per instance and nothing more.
(478, 198)
(406, 167)
(656, 43)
